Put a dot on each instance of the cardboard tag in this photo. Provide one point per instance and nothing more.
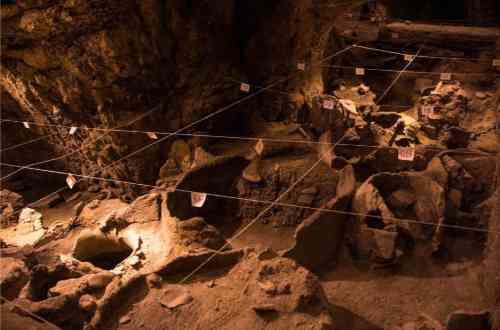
(407, 154)
(496, 62)
(409, 58)
(198, 199)
(360, 71)
(328, 104)
(301, 66)
(152, 135)
(445, 76)
(259, 147)
(245, 87)
(71, 181)
(26, 124)
(72, 130)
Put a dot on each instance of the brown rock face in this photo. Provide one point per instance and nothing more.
(102, 64)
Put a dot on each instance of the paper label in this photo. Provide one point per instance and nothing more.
(360, 71)
(198, 199)
(328, 104)
(301, 66)
(409, 57)
(407, 154)
(445, 76)
(72, 130)
(26, 124)
(259, 147)
(152, 135)
(245, 87)
(71, 181)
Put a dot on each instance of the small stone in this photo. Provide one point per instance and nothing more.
(481, 95)
(87, 303)
(251, 172)
(455, 196)
(125, 319)
(93, 204)
(268, 287)
(154, 280)
(134, 261)
(175, 297)
(94, 188)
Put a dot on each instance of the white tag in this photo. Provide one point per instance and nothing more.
(395, 35)
(72, 130)
(445, 76)
(360, 71)
(198, 199)
(328, 104)
(301, 66)
(245, 87)
(26, 124)
(259, 147)
(152, 135)
(496, 62)
(407, 154)
(71, 181)
(409, 57)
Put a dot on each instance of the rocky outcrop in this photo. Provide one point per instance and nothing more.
(319, 238)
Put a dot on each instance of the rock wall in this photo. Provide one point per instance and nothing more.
(491, 283)
(102, 63)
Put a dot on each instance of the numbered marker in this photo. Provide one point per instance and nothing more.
(328, 104)
(259, 147)
(71, 181)
(496, 62)
(198, 199)
(301, 66)
(406, 154)
(445, 76)
(72, 130)
(152, 135)
(360, 71)
(409, 57)
(26, 124)
(245, 87)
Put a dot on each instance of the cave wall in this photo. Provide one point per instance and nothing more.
(491, 275)
(102, 63)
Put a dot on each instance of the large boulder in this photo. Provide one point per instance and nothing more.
(10, 202)
(385, 198)
(13, 276)
(144, 209)
(318, 239)
(215, 177)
